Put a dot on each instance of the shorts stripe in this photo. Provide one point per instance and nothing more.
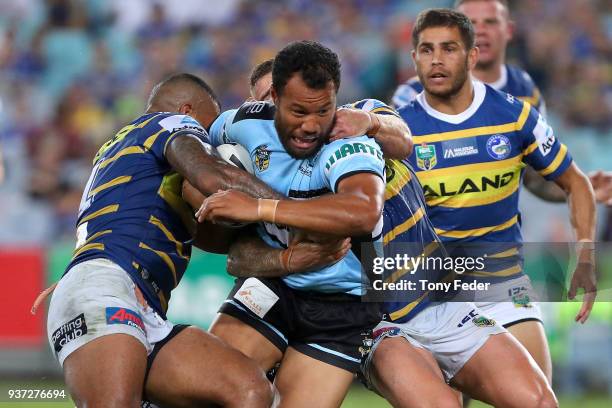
(334, 352)
(274, 329)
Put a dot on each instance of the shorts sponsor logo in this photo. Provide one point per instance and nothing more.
(468, 317)
(121, 315)
(256, 296)
(426, 158)
(69, 331)
(482, 321)
(386, 331)
(498, 147)
(522, 300)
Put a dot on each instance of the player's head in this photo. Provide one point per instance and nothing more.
(492, 26)
(261, 81)
(444, 51)
(187, 94)
(305, 81)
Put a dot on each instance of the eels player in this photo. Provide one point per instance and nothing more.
(106, 321)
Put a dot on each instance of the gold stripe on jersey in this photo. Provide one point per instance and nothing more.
(556, 162)
(511, 163)
(503, 273)
(114, 182)
(165, 257)
(394, 277)
(408, 308)
(533, 100)
(160, 294)
(121, 153)
(384, 109)
(505, 254)
(151, 139)
(119, 136)
(102, 211)
(477, 232)
(88, 247)
(170, 190)
(400, 177)
(404, 226)
(530, 149)
(96, 235)
(179, 246)
(478, 192)
(476, 131)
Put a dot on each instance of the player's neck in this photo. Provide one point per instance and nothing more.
(490, 74)
(453, 105)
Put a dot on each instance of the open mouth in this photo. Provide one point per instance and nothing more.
(304, 142)
(483, 46)
(438, 77)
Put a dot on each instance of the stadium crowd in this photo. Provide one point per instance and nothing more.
(73, 71)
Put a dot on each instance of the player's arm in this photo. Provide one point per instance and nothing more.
(207, 173)
(250, 256)
(545, 190)
(377, 121)
(353, 211)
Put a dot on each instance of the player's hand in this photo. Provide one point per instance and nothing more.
(584, 277)
(350, 123)
(602, 185)
(311, 256)
(228, 205)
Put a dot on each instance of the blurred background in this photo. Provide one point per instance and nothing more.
(72, 72)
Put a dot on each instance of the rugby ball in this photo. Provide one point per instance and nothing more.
(236, 155)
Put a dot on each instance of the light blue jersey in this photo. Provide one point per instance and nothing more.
(252, 126)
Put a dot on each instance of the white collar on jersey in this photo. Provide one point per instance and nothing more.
(479, 95)
(501, 82)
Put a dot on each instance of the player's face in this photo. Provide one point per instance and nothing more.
(442, 61)
(261, 89)
(492, 28)
(304, 116)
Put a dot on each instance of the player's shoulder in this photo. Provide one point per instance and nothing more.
(407, 92)
(174, 122)
(519, 81)
(503, 103)
(255, 110)
(343, 148)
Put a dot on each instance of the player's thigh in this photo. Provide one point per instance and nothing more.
(503, 374)
(304, 381)
(107, 372)
(195, 368)
(247, 339)
(409, 376)
(532, 336)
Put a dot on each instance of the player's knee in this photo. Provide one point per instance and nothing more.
(547, 399)
(110, 401)
(445, 400)
(254, 390)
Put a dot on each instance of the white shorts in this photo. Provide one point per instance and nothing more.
(94, 299)
(452, 332)
(511, 302)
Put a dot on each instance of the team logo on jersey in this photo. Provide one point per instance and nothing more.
(498, 147)
(262, 157)
(426, 158)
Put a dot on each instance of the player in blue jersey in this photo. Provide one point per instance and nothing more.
(472, 191)
(106, 322)
(314, 321)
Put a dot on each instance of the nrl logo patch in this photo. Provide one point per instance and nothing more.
(522, 301)
(426, 158)
(262, 157)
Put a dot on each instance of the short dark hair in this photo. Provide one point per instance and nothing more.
(317, 64)
(443, 17)
(194, 79)
(260, 71)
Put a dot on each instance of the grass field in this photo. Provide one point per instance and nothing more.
(358, 397)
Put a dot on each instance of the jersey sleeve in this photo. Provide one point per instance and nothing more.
(220, 130)
(406, 93)
(173, 126)
(372, 105)
(542, 150)
(346, 157)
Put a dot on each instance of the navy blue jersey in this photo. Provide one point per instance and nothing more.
(132, 212)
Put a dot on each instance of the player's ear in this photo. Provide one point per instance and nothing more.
(413, 55)
(473, 57)
(510, 30)
(274, 95)
(186, 109)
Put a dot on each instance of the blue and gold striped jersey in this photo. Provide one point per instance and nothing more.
(513, 80)
(407, 230)
(471, 164)
(132, 212)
